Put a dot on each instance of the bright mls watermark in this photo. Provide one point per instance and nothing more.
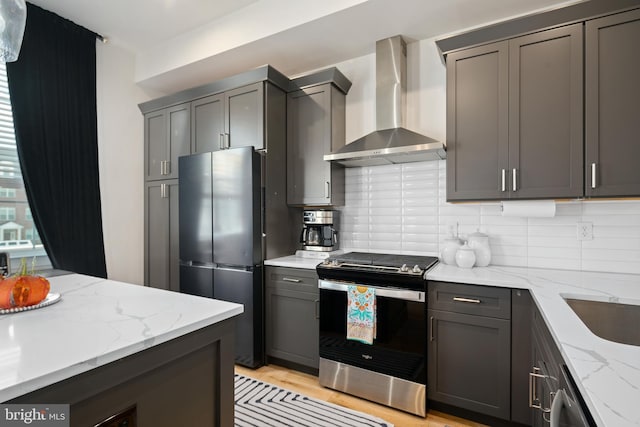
(39, 415)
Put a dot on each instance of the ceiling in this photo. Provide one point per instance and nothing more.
(343, 30)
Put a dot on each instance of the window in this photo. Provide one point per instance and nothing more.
(18, 236)
(7, 192)
(7, 213)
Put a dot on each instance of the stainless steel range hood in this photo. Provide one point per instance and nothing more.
(391, 143)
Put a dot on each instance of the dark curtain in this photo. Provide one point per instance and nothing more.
(53, 96)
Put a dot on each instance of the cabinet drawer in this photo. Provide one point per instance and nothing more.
(470, 299)
(295, 279)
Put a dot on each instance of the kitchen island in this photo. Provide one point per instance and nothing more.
(607, 373)
(109, 347)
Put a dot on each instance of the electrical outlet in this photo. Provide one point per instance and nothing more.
(585, 231)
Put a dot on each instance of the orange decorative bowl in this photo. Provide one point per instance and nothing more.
(23, 291)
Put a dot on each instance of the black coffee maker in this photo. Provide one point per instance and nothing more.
(318, 233)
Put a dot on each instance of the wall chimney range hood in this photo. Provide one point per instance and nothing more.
(391, 143)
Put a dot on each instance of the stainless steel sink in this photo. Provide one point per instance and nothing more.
(609, 320)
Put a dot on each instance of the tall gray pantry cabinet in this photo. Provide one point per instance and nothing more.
(247, 109)
(166, 137)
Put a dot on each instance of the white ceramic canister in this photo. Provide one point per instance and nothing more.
(479, 242)
(451, 246)
(465, 257)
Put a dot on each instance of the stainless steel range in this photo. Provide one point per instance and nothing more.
(392, 370)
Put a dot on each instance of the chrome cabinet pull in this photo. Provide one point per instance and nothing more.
(227, 141)
(163, 167)
(504, 180)
(167, 167)
(431, 328)
(317, 308)
(221, 141)
(515, 177)
(327, 189)
(593, 175)
(534, 402)
(164, 191)
(469, 300)
(288, 279)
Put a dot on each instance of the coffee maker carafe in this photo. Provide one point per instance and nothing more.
(318, 233)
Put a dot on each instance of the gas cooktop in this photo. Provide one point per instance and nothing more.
(404, 271)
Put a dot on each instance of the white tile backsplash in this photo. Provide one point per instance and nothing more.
(403, 209)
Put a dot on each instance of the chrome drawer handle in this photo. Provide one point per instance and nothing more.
(594, 182)
(469, 300)
(286, 279)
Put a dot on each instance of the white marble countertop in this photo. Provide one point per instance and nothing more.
(97, 321)
(302, 259)
(607, 373)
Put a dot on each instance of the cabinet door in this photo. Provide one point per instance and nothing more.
(545, 114)
(179, 132)
(155, 144)
(162, 255)
(308, 140)
(292, 315)
(207, 124)
(477, 125)
(292, 326)
(612, 114)
(244, 117)
(469, 362)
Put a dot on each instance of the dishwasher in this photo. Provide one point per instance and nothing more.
(567, 407)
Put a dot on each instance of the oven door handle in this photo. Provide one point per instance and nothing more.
(403, 294)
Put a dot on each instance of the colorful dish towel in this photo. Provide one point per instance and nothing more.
(361, 314)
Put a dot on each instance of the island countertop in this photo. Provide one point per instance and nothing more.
(607, 373)
(96, 321)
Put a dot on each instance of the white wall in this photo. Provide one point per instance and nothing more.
(120, 151)
(403, 208)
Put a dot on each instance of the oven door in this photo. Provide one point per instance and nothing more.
(399, 349)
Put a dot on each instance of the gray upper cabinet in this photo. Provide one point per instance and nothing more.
(514, 118)
(612, 113)
(315, 127)
(545, 114)
(244, 117)
(228, 120)
(207, 123)
(477, 126)
(161, 235)
(167, 137)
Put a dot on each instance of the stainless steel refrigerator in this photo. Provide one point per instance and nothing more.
(220, 219)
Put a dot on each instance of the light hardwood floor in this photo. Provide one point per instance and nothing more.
(309, 386)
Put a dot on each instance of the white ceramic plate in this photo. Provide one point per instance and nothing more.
(50, 299)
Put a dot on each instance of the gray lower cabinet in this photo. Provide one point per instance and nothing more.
(514, 118)
(469, 347)
(292, 315)
(167, 136)
(612, 62)
(181, 382)
(315, 127)
(161, 247)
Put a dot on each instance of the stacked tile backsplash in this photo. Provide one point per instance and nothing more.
(403, 209)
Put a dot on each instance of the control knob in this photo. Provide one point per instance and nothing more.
(416, 269)
(404, 268)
